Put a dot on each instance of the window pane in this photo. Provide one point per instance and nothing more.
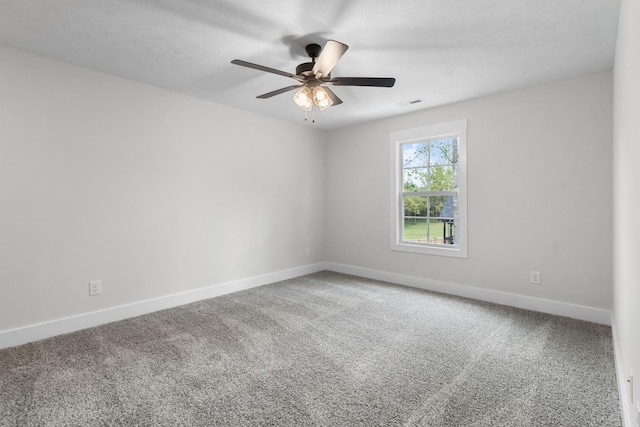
(442, 232)
(442, 178)
(432, 231)
(415, 155)
(444, 151)
(415, 206)
(415, 230)
(443, 207)
(415, 179)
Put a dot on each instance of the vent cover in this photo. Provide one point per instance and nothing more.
(410, 102)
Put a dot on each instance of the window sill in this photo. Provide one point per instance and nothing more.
(440, 250)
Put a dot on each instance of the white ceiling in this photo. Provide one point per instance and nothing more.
(441, 51)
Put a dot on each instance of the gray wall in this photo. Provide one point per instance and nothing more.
(152, 192)
(627, 196)
(539, 193)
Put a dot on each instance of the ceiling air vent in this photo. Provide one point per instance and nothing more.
(411, 102)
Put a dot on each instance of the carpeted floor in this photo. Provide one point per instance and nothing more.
(320, 350)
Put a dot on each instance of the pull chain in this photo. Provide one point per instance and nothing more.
(313, 115)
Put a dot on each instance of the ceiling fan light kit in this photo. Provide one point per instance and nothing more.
(312, 94)
(315, 76)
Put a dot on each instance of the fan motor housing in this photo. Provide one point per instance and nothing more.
(305, 68)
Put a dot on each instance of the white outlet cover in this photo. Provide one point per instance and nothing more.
(534, 277)
(95, 287)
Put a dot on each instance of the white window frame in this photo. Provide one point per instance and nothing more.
(457, 128)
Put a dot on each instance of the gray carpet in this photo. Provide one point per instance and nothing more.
(321, 350)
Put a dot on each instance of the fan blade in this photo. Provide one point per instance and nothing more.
(263, 68)
(328, 58)
(278, 92)
(362, 81)
(334, 98)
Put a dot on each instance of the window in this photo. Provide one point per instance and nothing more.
(428, 190)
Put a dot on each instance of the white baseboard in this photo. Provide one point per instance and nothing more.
(626, 406)
(574, 311)
(30, 333)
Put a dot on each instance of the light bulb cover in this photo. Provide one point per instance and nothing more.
(321, 98)
(304, 98)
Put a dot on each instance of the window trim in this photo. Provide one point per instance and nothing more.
(441, 130)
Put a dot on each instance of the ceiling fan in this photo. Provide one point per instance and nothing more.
(314, 77)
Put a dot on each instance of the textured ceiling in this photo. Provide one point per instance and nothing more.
(441, 51)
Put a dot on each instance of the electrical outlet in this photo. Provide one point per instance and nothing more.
(534, 277)
(307, 252)
(95, 287)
